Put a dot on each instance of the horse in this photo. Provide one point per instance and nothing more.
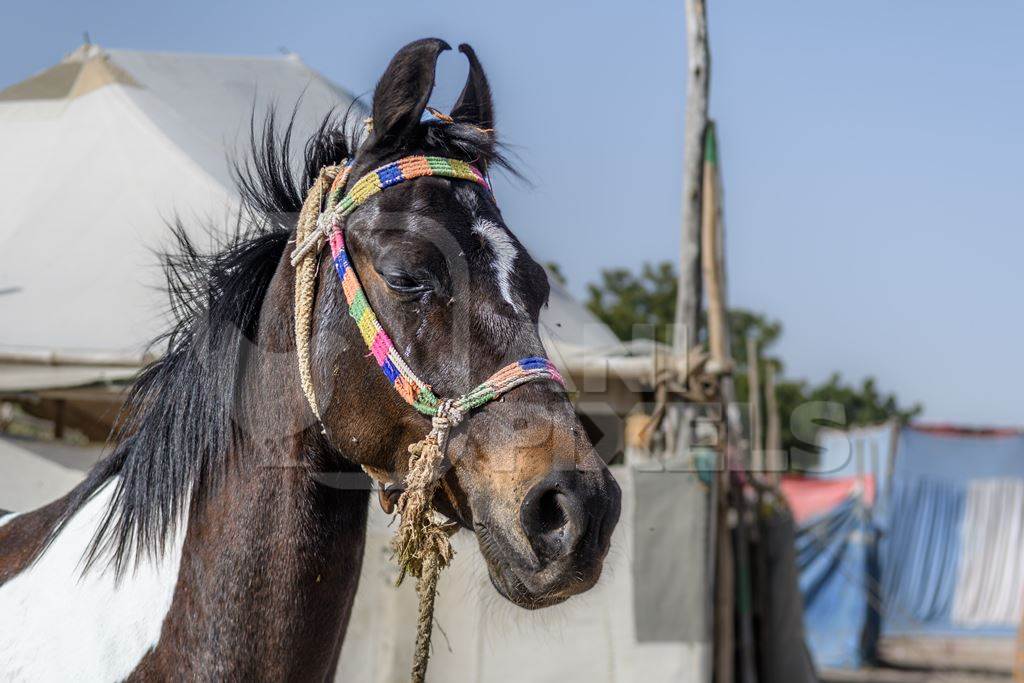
(222, 537)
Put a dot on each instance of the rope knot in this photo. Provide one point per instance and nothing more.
(421, 544)
(447, 417)
(325, 224)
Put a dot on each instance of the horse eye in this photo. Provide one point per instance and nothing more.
(404, 283)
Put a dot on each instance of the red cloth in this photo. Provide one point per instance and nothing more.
(809, 498)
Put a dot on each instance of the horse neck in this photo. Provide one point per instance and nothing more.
(270, 565)
(272, 557)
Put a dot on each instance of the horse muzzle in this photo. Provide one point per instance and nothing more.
(567, 520)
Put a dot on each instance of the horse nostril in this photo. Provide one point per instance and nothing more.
(551, 511)
(550, 520)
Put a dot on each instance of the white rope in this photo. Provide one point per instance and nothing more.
(315, 239)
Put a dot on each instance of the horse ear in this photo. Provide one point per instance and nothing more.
(403, 91)
(474, 104)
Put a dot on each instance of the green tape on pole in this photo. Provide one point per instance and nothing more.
(710, 144)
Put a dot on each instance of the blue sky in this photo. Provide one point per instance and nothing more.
(872, 152)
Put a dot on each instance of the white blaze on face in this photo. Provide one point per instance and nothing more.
(505, 252)
(58, 624)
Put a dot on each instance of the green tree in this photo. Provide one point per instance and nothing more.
(636, 304)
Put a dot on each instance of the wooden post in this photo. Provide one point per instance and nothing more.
(716, 286)
(713, 271)
(685, 336)
(773, 435)
(688, 296)
(754, 397)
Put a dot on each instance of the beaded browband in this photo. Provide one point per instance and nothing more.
(329, 225)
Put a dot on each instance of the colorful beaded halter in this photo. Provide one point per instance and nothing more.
(421, 543)
(411, 388)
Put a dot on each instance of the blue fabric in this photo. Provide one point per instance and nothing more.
(858, 452)
(922, 517)
(958, 458)
(838, 577)
(919, 552)
(916, 544)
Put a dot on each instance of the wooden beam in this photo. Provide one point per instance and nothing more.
(688, 297)
(773, 435)
(59, 358)
(699, 211)
(754, 399)
(713, 276)
(712, 266)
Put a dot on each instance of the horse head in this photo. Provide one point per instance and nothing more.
(459, 297)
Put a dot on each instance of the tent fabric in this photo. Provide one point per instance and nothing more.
(990, 581)
(954, 512)
(52, 84)
(132, 155)
(81, 72)
(959, 456)
(858, 451)
(811, 498)
(949, 556)
(838, 573)
(920, 552)
(670, 550)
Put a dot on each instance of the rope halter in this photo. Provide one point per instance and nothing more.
(421, 544)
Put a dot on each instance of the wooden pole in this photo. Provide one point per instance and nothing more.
(716, 285)
(773, 435)
(685, 335)
(713, 272)
(688, 296)
(754, 398)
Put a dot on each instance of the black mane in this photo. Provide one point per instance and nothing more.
(176, 428)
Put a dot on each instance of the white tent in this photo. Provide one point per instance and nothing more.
(99, 152)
